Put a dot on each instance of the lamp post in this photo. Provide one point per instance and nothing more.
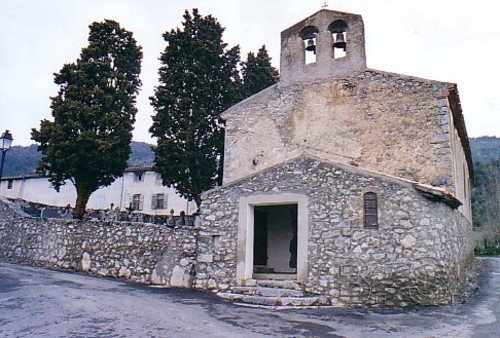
(5, 143)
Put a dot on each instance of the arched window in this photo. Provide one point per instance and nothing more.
(370, 209)
(308, 35)
(338, 28)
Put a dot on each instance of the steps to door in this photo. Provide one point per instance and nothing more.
(272, 293)
(266, 291)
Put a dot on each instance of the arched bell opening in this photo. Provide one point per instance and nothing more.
(309, 35)
(338, 28)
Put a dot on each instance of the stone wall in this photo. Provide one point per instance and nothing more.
(142, 253)
(293, 67)
(419, 254)
(378, 121)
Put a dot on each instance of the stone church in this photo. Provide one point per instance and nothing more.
(342, 184)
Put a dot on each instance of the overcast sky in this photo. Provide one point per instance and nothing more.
(448, 40)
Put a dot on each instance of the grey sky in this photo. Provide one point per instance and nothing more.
(447, 40)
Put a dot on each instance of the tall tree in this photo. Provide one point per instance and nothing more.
(94, 113)
(258, 73)
(199, 79)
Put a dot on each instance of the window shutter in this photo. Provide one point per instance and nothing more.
(141, 202)
(163, 201)
(153, 202)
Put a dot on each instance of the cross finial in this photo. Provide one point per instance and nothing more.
(325, 4)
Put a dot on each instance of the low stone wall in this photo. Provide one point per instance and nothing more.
(419, 254)
(139, 252)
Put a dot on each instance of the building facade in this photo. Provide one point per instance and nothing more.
(140, 188)
(343, 185)
(351, 182)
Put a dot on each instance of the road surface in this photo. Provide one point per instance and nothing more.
(36, 302)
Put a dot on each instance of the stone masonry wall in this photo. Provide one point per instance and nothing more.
(142, 253)
(419, 254)
(389, 123)
(293, 67)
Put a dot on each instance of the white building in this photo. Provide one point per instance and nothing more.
(139, 187)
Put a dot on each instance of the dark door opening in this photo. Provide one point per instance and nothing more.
(260, 238)
(275, 239)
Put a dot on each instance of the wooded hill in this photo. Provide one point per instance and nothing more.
(23, 160)
(486, 193)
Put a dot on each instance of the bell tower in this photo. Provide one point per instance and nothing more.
(327, 44)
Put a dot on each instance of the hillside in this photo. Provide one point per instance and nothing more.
(485, 148)
(23, 160)
(141, 154)
(486, 193)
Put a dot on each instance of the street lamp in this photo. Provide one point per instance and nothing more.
(5, 142)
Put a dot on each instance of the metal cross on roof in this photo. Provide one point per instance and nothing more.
(325, 4)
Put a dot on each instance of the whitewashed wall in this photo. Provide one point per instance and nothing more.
(120, 192)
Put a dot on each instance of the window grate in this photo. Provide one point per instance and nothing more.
(370, 209)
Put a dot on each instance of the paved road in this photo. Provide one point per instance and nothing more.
(43, 303)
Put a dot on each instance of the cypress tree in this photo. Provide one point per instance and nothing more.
(198, 79)
(258, 73)
(88, 141)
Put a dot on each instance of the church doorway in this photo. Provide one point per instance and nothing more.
(275, 240)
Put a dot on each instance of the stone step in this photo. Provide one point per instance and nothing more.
(275, 276)
(262, 269)
(273, 301)
(278, 284)
(266, 291)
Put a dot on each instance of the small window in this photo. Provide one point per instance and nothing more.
(137, 202)
(370, 209)
(139, 177)
(158, 179)
(158, 202)
(9, 184)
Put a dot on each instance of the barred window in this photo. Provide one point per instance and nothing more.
(370, 209)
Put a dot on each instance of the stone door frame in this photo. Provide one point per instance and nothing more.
(244, 268)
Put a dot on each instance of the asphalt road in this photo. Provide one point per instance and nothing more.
(38, 302)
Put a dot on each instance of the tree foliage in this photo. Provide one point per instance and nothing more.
(94, 112)
(199, 79)
(486, 200)
(258, 73)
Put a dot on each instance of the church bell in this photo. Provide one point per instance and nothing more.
(311, 46)
(340, 41)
